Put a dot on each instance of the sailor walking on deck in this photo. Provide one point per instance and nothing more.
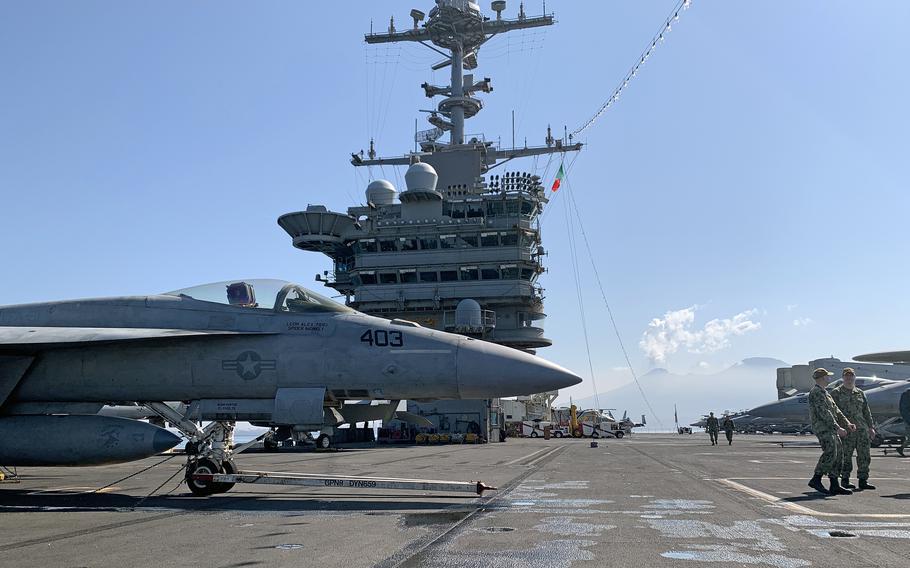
(728, 429)
(829, 425)
(904, 408)
(712, 427)
(852, 402)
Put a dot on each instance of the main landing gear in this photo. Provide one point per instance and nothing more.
(210, 450)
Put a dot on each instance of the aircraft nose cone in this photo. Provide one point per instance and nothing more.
(771, 410)
(488, 370)
(164, 440)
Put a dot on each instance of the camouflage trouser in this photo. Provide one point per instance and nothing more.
(856, 442)
(713, 434)
(832, 454)
(905, 442)
(729, 434)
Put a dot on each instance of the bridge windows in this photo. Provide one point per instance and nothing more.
(448, 275)
(463, 273)
(489, 239)
(469, 273)
(367, 245)
(468, 241)
(495, 208)
(509, 239)
(407, 243)
(509, 271)
(429, 243)
(489, 273)
(366, 278)
(388, 245)
(458, 241)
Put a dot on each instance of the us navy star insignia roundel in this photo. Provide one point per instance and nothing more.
(248, 365)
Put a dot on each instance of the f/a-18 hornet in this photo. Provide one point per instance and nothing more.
(265, 351)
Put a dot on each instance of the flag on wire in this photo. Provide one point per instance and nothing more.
(559, 175)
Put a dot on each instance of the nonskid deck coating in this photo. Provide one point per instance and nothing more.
(653, 500)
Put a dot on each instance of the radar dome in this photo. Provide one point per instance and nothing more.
(381, 192)
(467, 314)
(421, 177)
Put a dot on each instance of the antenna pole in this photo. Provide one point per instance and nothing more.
(457, 88)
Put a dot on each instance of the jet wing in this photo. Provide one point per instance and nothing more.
(885, 357)
(13, 337)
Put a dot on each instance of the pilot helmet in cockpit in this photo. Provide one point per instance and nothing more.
(241, 294)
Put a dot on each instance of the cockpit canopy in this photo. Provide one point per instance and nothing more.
(263, 294)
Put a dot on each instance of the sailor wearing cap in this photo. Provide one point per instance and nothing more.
(852, 402)
(829, 425)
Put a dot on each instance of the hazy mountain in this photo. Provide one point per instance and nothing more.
(744, 385)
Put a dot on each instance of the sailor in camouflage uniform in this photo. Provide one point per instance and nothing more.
(829, 425)
(852, 402)
(712, 427)
(904, 408)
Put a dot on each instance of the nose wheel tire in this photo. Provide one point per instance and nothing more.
(198, 487)
(323, 442)
(227, 466)
(620, 434)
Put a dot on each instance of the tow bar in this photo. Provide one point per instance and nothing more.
(343, 482)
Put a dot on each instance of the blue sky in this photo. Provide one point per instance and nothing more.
(753, 175)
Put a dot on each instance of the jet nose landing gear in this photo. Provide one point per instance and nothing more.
(200, 474)
(210, 450)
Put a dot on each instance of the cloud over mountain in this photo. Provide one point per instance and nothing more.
(677, 330)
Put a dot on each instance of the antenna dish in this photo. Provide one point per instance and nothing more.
(418, 17)
(499, 6)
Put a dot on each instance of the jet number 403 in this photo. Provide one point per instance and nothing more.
(382, 338)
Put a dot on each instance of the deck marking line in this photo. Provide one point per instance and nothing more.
(522, 458)
(797, 508)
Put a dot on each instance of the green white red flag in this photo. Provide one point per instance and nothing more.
(559, 175)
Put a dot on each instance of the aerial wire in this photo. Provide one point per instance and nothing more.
(580, 296)
(656, 40)
(603, 294)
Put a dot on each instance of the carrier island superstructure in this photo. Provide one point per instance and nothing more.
(459, 249)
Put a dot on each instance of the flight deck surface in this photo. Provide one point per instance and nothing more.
(652, 500)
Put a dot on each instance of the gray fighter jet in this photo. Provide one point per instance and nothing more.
(264, 351)
(883, 396)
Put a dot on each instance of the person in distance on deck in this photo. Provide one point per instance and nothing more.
(712, 428)
(728, 429)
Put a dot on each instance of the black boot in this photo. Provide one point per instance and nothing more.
(864, 485)
(836, 489)
(845, 483)
(816, 483)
